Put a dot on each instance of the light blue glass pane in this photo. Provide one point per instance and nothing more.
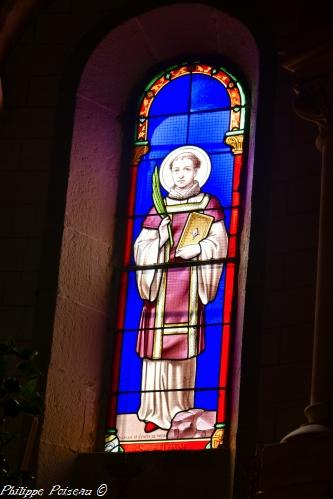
(220, 180)
(208, 128)
(173, 98)
(211, 147)
(171, 130)
(208, 93)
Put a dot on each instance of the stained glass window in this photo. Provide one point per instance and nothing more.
(174, 330)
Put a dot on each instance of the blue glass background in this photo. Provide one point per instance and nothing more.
(192, 109)
(207, 362)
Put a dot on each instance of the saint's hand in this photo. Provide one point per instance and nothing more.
(163, 230)
(189, 251)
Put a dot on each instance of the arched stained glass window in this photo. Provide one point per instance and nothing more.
(170, 378)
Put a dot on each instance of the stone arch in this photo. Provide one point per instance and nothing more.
(75, 389)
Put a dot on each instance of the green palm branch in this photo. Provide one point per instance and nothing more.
(159, 201)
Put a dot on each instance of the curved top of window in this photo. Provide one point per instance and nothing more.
(193, 88)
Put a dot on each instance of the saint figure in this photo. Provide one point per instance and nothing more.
(171, 332)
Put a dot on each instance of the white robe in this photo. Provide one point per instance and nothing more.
(147, 251)
(159, 405)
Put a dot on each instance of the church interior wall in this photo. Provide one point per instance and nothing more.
(34, 160)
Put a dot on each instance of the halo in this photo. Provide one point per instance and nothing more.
(203, 172)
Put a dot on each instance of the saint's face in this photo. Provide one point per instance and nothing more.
(183, 173)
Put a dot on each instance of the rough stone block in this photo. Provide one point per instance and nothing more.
(64, 399)
(79, 341)
(84, 274)
(127, 49)
(93, 183)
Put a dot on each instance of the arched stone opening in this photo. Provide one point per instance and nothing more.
(75, 390)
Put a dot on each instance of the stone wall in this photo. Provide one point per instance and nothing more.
(34, 163)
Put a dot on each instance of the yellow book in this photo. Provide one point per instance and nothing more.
(196, 229)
